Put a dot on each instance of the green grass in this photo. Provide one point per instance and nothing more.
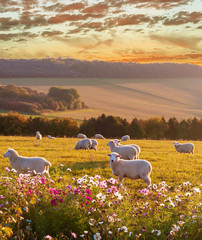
(168, 165)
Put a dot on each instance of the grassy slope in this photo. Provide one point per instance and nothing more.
(168, 165)
(128, 98)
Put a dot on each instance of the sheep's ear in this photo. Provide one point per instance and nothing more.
(109, 155)
(118, 156)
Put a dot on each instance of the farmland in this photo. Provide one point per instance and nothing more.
(128, 98)
(168, 165)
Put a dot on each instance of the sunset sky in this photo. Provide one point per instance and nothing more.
(141, 31)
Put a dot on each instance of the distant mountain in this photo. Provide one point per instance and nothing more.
(50, 67)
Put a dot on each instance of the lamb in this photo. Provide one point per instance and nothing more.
(125, 138)
(83, 144)
(126, 152)
(38, 136)
(99, 136)
(134, 169)
(94, 144)
(81, 135)
(184, 148)
(117, 143)
(25, 164)
(50, 137)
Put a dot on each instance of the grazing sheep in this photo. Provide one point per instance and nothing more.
(125, 138)
(50, 137)
(25, 164)
(126, 152)
(99, 136)
(81, 135)
(117, 143)
(94, 144)
(83, 144)
(134, 169)
(184, 148)
(38, 136)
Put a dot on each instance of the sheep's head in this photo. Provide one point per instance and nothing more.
(117, 142)
(110, 142)
(113, 157)
(9, 153)
(176, 143)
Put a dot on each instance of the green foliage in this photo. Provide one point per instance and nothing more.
(82, 199)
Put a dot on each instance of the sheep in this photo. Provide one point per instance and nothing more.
(38, 136)
(126, 152)
(83, 144)
(184, 148)
(50, 137)
(134, 169)
(94, 144)
(125, 138)
(99, 136)
(117, 143)
(25, 164)
(81, 135)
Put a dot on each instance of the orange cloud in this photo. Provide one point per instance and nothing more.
(97, 8)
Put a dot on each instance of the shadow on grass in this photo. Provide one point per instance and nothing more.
(89, 165)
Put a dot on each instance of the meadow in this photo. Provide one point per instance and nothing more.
(82, 199)
(127, 98)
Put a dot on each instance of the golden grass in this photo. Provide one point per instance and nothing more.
(168, 165)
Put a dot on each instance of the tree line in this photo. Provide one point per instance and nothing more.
(109, 126)
(27, 100)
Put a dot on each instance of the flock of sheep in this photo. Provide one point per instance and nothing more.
(124, 159)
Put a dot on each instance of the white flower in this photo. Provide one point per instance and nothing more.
(156, 230)
(146, 204)
(110, 219)
(85, 232)
(69, 169)
(196, 189)
(130, 233)
(187, 194)
(110, 232)
(100, 223)
(162, 204)
(124, 228)
(97, 236)
(91, 222)
(155, 186)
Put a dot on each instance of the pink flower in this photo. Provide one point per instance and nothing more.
(82, 205)
(53, 202)
(88, 191)
(86, 202)
(7, 169)
(89, 198)
(48, 237)
(97, 177)
(144, 230)
(74, 235)
(43, 180)
(182, 216)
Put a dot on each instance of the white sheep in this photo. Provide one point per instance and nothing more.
(117, 143)
(25, 164)
(94, 144)
(38, 136)
(184, 148)
(83, 144)
(81, 135)
(125, 138)
(134, 169)
(99, 136)
(50, 137)
(126, 152)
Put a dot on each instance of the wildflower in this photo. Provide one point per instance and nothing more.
(89, 198)
(97, 177)
(1, 197)
(155, 186)
(82, 205)
(130, 233)
(48, 237)
(110, 232)
(100, 223)
(7, 169)
(182, 216)
(156, 230)
(144, 191)
(74, 235)
(43, 180)
(86, 202)
(88, 191)
(110, 219)
(103, 184)
(118, 195)
(196, 189)
(85, 232)
(97, 236)
(91, 222)
(69, 169)
(187, 194)
(112, 181)
(144, 230)
(13, 170)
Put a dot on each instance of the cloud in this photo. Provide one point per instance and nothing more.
(51, 33)
(183, 18)
(29, 19)
(185, 42)
(7, 23)
(17, 36)
(97, 8)
(73, 6)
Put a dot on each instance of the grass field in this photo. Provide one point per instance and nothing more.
(128, 98)
(168, 165)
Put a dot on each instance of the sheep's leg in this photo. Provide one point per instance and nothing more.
(120, 180)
